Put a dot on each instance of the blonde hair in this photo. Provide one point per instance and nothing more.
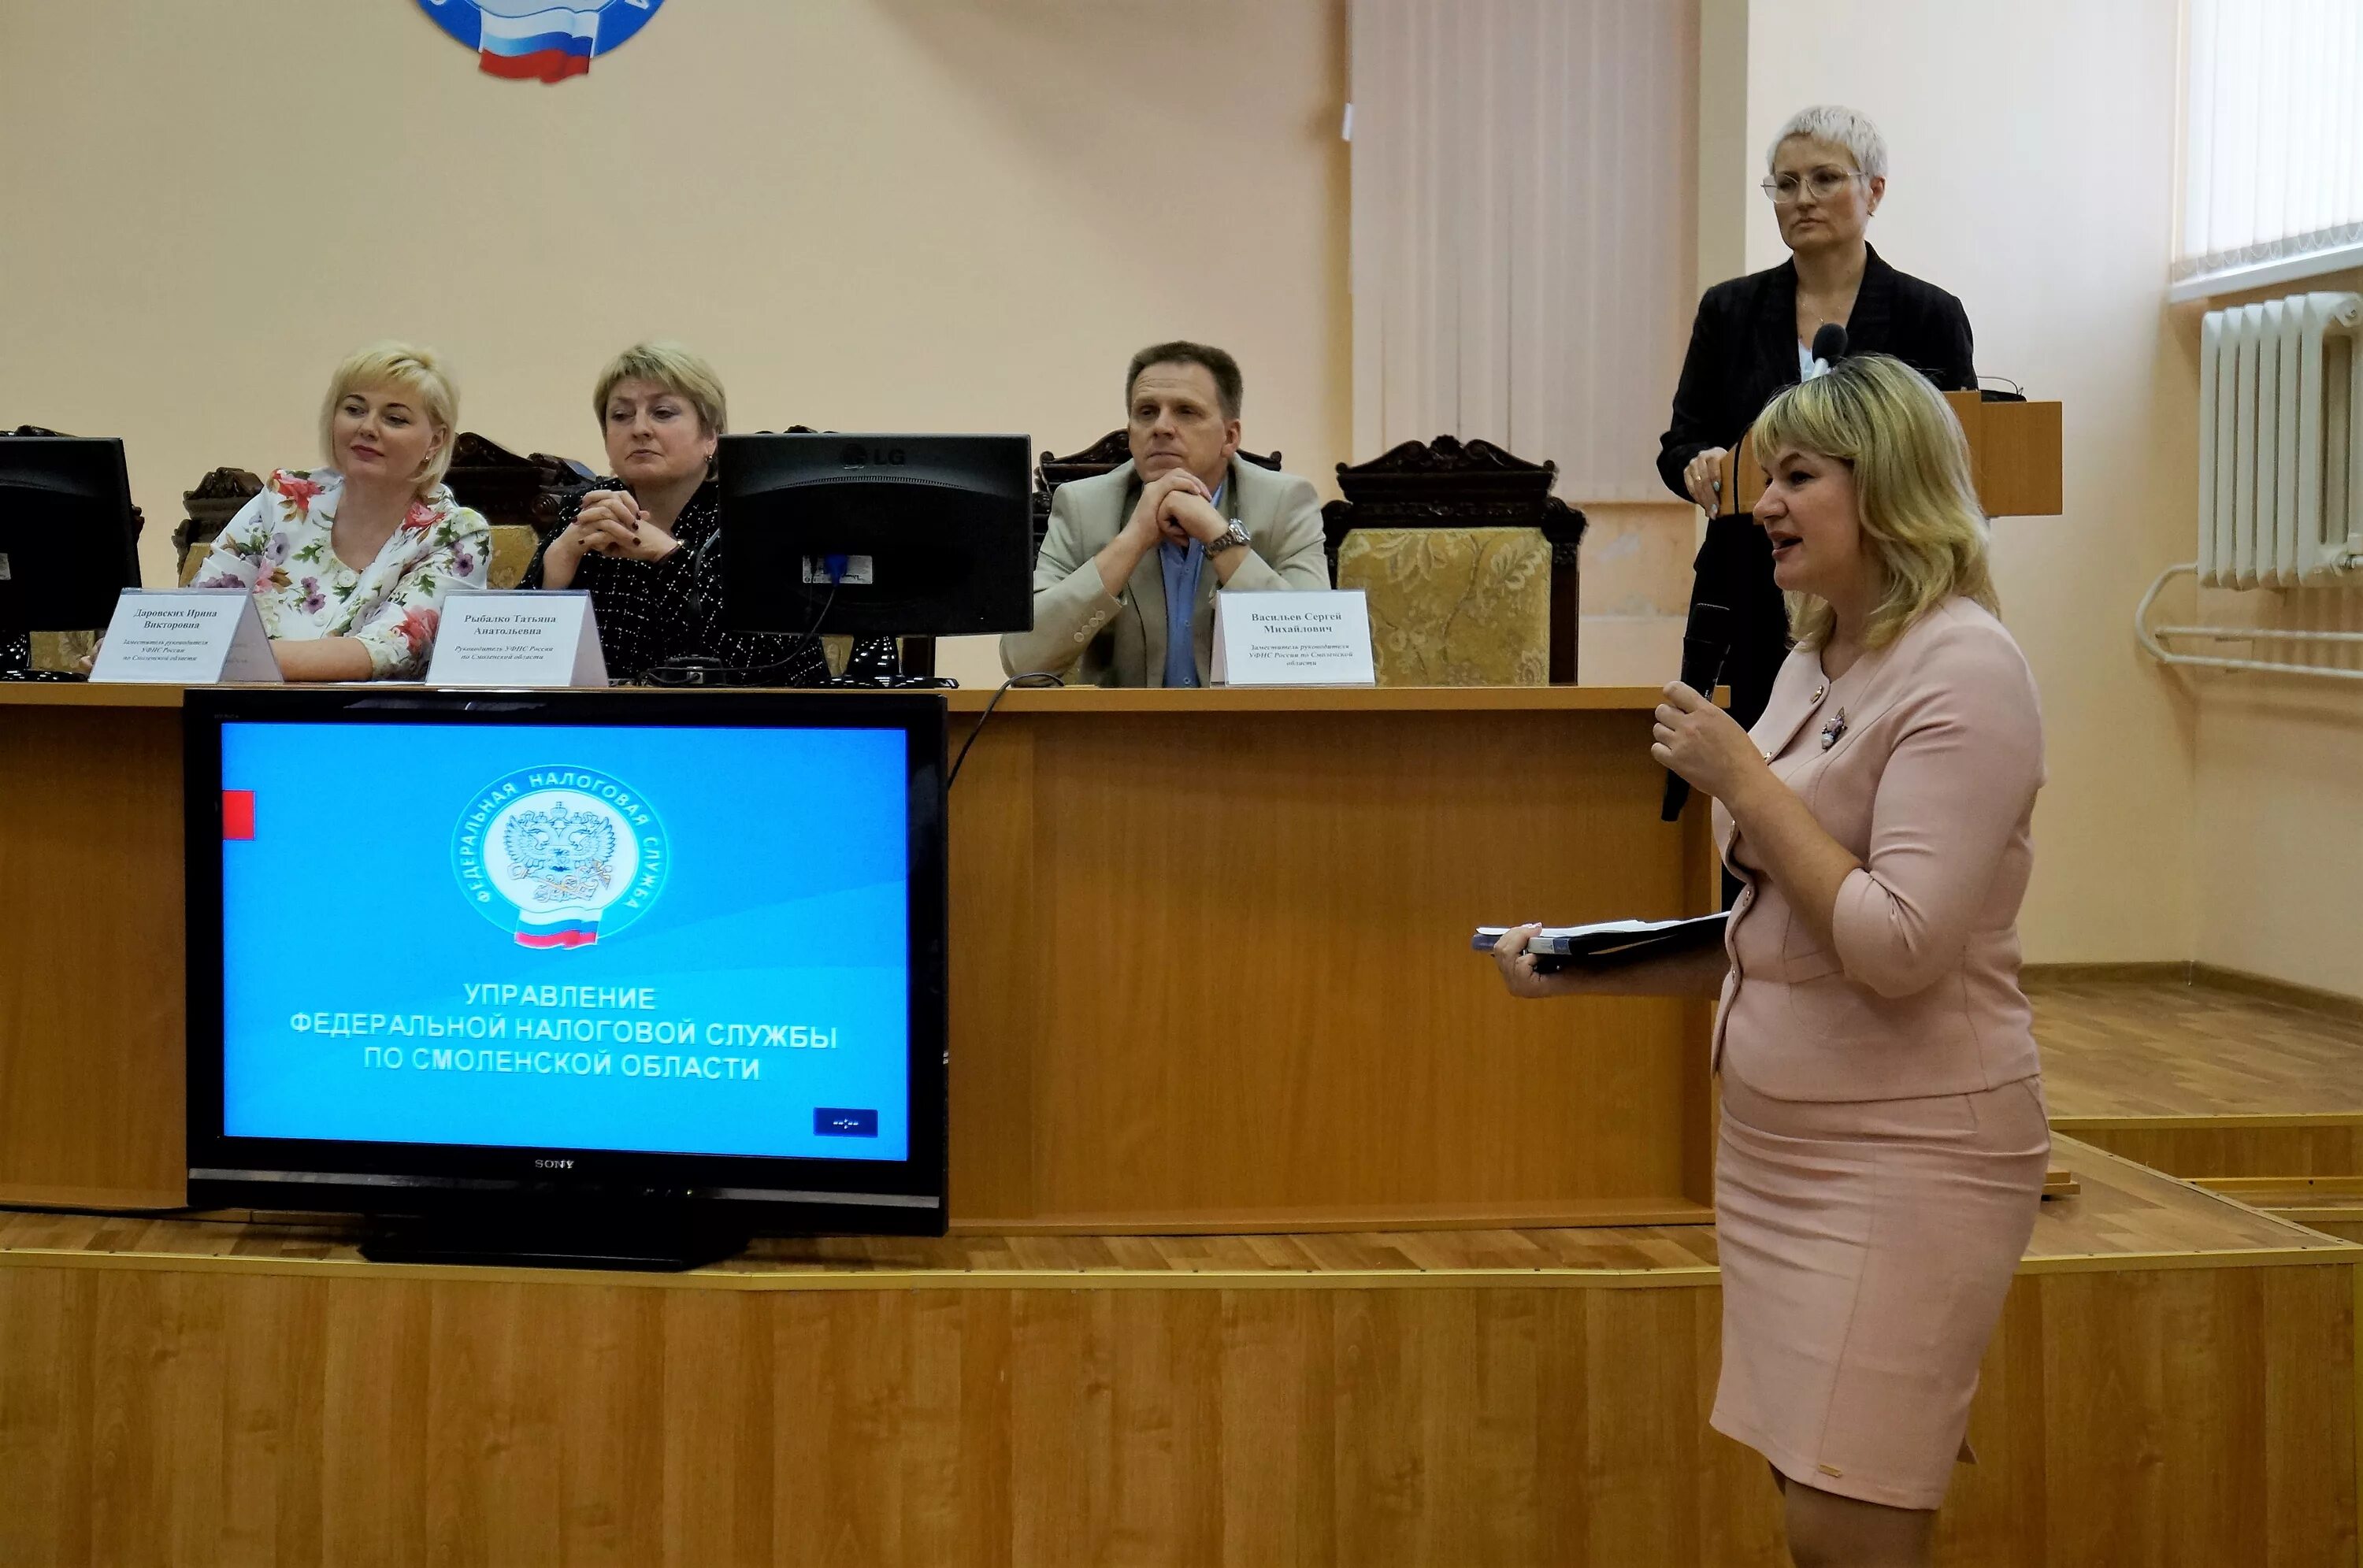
(676, 369)
(1918, 509)
(418, 371)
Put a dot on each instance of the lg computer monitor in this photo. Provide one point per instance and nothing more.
(573, 967)
(877, 535)
(68, 544)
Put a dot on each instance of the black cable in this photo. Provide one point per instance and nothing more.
(1039, 679)
(826, 604)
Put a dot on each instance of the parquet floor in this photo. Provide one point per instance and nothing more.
(2136, 1048)
(2125, 1216)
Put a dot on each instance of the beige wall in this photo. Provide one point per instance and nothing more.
(2033, 149)
(2280, 764)
(904, 214)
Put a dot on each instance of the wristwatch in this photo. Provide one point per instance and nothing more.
(1231, 539)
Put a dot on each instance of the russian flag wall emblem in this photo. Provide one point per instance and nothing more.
(533, 40)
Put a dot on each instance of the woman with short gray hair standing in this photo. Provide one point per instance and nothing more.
(1825, 174)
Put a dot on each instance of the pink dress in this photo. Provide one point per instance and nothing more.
(1884, 1140)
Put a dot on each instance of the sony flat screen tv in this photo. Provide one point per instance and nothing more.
(593, 977)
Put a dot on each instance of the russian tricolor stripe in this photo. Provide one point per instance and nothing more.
(548, 46)
(563, 932)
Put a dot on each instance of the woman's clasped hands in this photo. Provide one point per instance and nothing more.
(613, 524)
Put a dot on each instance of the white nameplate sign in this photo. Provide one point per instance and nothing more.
(185, 636)
(1307, 638)
(515, 636)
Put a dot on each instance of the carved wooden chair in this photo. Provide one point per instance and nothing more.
(518, 496)
(506, 487)
(1470, 562)
(1110, 451)
(215, 500)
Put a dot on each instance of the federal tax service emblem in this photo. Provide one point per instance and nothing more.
(533, 40)
(560, 857)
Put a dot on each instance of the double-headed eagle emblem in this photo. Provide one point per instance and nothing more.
(568, 855)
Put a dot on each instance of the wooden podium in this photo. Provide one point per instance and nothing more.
(2014, 455)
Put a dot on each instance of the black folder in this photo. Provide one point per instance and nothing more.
(1609, 945)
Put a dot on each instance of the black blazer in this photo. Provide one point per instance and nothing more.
(1743, 349)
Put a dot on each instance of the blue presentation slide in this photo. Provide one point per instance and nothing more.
(673, 940)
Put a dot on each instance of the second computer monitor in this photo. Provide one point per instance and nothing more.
(890, 536)
(68, 547)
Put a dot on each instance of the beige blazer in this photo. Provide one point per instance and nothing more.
(1929, 779)
(1084, 634)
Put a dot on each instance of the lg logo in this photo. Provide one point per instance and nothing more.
(857, 456)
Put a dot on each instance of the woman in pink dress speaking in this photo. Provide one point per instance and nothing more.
(1883, 1142)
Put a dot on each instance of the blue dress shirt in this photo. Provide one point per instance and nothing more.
(1182, 566)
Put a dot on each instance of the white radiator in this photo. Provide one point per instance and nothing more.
(2281, 442)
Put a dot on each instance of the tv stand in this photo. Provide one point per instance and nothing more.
(523, 1241)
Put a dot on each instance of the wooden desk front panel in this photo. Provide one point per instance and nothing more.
(91, 966)
(1210, 971)
(1209, 965)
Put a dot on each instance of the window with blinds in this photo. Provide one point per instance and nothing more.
(2273, 166)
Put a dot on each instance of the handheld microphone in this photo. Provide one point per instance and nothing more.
(1706, 641)
(1829, 344)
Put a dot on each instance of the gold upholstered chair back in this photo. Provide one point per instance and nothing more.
(1454, 606)
(1470, 562)
(513, 548)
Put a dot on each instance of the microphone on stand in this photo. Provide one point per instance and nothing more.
(1829, 346)
(1706, 641)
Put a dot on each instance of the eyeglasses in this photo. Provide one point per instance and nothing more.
(1823, 182)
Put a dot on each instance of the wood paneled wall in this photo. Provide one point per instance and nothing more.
(92, 979)
(2182, 1416)
(1210, 969)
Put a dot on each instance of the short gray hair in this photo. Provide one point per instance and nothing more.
(1840, 127)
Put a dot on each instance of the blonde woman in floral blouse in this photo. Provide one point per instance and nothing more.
(348, 564)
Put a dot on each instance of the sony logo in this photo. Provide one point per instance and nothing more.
(553, 1165)
(857, 456)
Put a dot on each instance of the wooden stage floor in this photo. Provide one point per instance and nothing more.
(2174, 1380)
(2124, 1216)
(2201, 1081)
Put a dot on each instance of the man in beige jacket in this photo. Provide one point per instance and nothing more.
(1124, 590)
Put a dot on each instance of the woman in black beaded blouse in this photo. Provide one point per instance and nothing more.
(644, 543)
